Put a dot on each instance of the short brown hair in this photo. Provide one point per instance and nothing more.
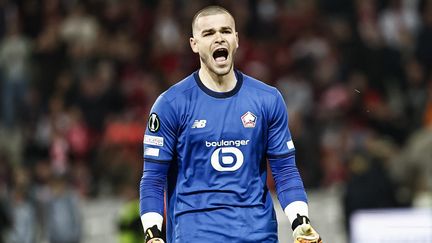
(210, 10)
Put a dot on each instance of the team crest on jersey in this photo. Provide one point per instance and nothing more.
(153, 123)
(249, 119)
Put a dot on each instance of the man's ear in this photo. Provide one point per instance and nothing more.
(237, 40)
(193, 44)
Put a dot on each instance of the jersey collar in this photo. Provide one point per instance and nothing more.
(239, 77)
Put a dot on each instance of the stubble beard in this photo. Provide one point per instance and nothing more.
(211, 67)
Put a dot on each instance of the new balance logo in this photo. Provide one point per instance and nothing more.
(199, 123)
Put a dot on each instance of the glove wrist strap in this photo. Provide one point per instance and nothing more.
(299, 221)
(151, 233)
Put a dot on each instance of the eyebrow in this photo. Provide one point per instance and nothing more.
(226, 28)
(207, 31)
(212, 30)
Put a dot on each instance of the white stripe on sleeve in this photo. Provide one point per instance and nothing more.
(151, 218)
(294, 208)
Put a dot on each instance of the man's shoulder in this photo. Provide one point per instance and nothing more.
(180, 88)
(259, 86)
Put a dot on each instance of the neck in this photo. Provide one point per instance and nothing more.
(217, 83)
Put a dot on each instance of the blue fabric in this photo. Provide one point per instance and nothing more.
(152, 187)
(289, 185)
(216, 145)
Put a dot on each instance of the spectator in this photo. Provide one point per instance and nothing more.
(15, 50)
(129, 221)
(23, 213)
(399, 24)
(64, 223)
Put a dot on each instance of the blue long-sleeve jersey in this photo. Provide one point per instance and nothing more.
(208, 150)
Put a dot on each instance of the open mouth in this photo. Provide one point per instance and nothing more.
(220, 54)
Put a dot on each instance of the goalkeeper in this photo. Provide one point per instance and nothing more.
(206, 147)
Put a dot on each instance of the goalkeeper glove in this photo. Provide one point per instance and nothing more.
(303, 231)
(153, 235)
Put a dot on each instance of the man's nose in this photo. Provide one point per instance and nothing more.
(219, 38)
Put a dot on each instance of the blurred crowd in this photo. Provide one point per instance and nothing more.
(79, 77)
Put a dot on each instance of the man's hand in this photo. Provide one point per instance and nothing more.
(153, 235)
(303, 231)
(157, 240)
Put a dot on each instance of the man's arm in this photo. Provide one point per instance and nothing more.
(151, 198)
(159, 145)
(289, 185)
(292, 197)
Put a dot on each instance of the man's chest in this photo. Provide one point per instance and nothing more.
(223, 120)
(222, 136)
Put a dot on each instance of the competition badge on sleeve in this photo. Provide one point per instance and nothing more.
(153, 123)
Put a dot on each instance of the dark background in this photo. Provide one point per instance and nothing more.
(77, 79)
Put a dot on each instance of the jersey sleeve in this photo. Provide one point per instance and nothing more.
(159, 149)
(281, 155)
(161, 133)
(279, 142)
